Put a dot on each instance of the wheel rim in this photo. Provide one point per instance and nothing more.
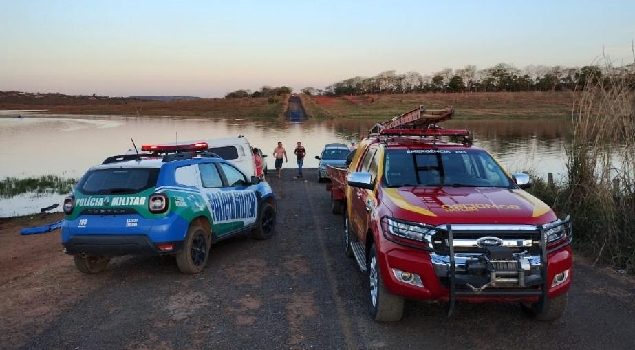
(268, 221)
(199, 249)
(347, 239)
(372, 277)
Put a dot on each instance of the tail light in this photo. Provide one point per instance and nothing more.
(158, 203)
(69, 204)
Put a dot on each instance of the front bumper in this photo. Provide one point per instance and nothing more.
(459, 272)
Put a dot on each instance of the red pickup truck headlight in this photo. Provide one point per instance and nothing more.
(409, 233)
(558, 232)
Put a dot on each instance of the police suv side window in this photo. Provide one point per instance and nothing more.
(187, 175)
(233, 176)
(210, 176)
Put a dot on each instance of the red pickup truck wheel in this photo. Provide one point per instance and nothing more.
(385, 306)
(348, 250)
(337, 206)
(551, 310)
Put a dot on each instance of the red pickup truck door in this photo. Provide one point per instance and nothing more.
(359, 213)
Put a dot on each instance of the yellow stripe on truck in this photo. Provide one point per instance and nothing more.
(540, 208)
(403, 203)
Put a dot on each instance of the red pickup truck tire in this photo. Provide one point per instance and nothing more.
(385, 306)
(552, 309)
(337, 206)
(348, 238)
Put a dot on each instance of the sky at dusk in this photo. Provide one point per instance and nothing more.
(209, 48)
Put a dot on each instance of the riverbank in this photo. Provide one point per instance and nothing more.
(467, 105)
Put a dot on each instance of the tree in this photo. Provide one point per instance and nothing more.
(309, 90)
(437, 82)
(588, 75)
(456, 84)
(238, 94)
(413, 81)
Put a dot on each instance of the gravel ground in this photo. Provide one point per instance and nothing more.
(294, 291)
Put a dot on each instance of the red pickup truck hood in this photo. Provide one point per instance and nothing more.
(467, 205)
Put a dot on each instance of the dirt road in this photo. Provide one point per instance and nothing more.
(295, 291)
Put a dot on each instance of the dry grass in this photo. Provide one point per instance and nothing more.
(600, 192)
(257, 108)
(473, 105)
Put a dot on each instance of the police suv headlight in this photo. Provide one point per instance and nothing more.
(411, 231)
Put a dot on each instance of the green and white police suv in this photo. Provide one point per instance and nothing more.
(175, 199)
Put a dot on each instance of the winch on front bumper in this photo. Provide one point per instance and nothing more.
(486, 260)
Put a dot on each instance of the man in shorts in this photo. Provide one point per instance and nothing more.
(280, 153)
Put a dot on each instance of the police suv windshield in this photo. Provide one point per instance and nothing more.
(435, 167)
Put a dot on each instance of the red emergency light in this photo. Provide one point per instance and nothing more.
(198, 146)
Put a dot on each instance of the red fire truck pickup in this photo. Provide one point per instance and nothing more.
(438, 220)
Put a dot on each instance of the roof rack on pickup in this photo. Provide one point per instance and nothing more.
(420, 122)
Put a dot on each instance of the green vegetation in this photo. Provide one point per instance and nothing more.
(12, 186)
(599, 192)
(500, 78)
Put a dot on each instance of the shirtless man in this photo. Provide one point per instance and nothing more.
(280, 153)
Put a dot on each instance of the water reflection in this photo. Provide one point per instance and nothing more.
(67, 146)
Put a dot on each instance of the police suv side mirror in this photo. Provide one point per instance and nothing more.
(255, 180)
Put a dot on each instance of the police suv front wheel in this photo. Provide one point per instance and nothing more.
(91, 263)
(193, 258)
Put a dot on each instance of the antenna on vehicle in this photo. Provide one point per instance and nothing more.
(136, 150)
(135, 147)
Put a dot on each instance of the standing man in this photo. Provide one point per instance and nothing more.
(280, 153)
(299, 151)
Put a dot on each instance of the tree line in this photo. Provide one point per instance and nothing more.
(501, 77)
(265, 91)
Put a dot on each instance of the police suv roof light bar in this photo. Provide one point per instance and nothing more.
(159, 148)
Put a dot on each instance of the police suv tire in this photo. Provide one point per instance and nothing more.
(348, 249)
(336, 206)
(193, 257)
(266, 224)
(552, 309)
(384, 306)
(91, 263)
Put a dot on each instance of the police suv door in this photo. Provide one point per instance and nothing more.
(233, 201)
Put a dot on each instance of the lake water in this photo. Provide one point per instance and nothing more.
(68, 145)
